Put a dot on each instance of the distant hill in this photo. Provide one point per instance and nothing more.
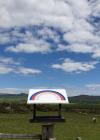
(74, 99)
(13, 97)
(85, 99)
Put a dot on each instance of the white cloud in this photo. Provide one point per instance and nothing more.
(26, 42)
(93, 86)
(12, 90)
(83, 90)
(81, 37)
(96, 53)
(6, 60)
(70, 66)
(5, 69)
(95, 6)
(9, 65)
(81, 48)
(27, 71)
(72, 18)
(56, 13)
(31, 46)
(46, 33)
(77, 48)
(33, 12)
(4, 38)
(5, 65)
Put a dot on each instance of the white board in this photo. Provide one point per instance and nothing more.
(47, 96)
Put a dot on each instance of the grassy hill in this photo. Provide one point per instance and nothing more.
(74, 99)
(13, 97)
(85, 99)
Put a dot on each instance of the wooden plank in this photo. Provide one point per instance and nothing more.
(47, 119)
(19, 136)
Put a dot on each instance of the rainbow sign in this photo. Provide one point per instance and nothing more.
(38, 96)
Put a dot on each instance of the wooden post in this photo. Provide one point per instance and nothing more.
(48, 131)
(34, 111)
(59, 113)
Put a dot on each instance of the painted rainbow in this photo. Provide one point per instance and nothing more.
(39, 94)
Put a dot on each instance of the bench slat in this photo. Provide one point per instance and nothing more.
(19, 136)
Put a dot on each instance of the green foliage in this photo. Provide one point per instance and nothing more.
(22, 107)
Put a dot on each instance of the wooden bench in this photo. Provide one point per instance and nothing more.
(20, 136)
(47, 134)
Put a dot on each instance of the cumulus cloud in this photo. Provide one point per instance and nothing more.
(77, 48)
(18, 70)
(5, 69)
(96, 53)
(95, 6)
(72, 22)
(81, 48)
(72, 26)
(70, 66)
(6, 60)
(31, 47)
(56, 13)
(12, 36)
(9, 65)
(72, 18)
(81, 37)
(33, 12)
(47, 33)
(5, 65)
(27, 71)
(4, 38)
(26, 42)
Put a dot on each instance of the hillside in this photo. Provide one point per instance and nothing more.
(13, 97)
(74, 99)
(85, 99)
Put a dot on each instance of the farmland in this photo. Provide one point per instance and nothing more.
(76, 125)
(15, 115)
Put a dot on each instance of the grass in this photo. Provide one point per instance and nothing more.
(76, 125)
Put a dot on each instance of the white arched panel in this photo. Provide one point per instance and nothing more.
(49, 96)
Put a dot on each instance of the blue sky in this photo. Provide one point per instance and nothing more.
(50, 44)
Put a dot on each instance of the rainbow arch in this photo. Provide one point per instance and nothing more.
(36, 95)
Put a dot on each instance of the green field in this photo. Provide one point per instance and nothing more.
(76, 125)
